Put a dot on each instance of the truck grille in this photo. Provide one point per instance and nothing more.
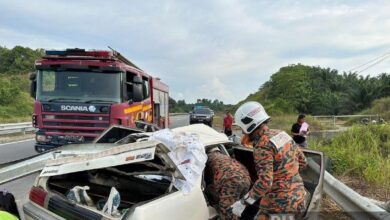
(69, 124)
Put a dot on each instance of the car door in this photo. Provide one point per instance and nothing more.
(312, 175)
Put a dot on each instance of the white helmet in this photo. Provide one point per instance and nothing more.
(250, 115)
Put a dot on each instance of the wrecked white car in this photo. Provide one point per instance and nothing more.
(144, 178)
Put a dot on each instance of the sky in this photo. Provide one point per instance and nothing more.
(215, 49)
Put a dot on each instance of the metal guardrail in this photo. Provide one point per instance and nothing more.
(353, 204)
(14, 170)
(343, 116)
(16, 128)
(331, 119)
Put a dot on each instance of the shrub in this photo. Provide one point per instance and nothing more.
(8, 91)
(362, 151)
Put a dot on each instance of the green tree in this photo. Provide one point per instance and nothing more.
(316, 90)
(18, 60)
(8, 91)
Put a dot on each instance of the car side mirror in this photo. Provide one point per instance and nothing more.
(32, 76)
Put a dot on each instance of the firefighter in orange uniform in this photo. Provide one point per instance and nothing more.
(229, 180)
(279, 188)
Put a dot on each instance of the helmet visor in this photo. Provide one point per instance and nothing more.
(251, 128)
(246, 120)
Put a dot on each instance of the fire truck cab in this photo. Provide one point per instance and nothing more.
(79, 93)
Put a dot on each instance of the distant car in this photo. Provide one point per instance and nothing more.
(202, 115)
(143, 174)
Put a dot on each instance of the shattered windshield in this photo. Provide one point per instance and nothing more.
(78, 86)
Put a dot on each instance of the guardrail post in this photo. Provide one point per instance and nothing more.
(334, 121)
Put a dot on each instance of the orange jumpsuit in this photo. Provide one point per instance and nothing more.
(230, 182)
(279, 186)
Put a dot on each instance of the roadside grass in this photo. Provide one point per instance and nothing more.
(18, 109)
(285, 122)
(218, 121)
(15, 119)
(361, 151)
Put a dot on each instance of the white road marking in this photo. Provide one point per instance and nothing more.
(15, 142)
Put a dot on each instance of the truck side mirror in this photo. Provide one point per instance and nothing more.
(32, 76)
(137, 80)
(137, 89)
(33, 85)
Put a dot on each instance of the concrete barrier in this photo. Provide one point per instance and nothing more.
(176, 114)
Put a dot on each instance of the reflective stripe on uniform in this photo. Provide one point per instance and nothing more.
(7, 216)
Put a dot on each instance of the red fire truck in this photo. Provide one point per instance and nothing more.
(79, 93)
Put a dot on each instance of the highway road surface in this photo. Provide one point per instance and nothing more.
(179, 120)
(22, 149)
(16, 150)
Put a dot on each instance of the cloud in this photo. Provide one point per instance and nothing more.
(221, 49)
(215, 89)
(180, 95)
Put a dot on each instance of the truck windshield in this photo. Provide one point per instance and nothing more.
(78, 86)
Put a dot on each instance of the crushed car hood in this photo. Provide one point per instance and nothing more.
(114, 156)
(83, 152)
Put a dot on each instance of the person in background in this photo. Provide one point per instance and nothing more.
(229, 181)
(279, 188)
(228, 123)
(298, 134)
(8, 208)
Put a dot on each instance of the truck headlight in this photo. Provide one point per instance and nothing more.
(50, 116)
(41, 138)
